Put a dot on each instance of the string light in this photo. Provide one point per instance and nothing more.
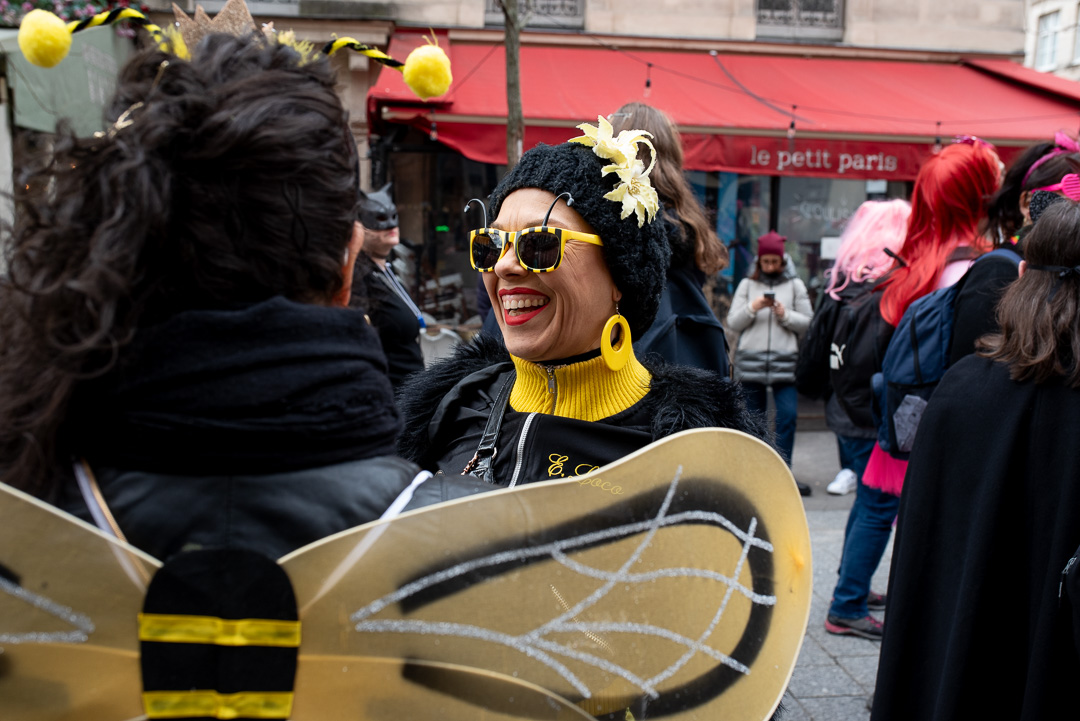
(791, 129)
(648, 80)
(937, 139)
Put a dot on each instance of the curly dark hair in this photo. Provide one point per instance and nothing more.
(235, 181)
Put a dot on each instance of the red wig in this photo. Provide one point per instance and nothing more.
(947, 210)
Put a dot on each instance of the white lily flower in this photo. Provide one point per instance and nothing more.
(635, 192)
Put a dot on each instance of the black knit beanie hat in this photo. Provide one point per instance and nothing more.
(637, 257)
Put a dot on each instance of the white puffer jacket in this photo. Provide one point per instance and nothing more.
(768, 348)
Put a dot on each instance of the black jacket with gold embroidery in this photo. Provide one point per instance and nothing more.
(447, 407)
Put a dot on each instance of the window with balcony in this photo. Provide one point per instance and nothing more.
(1046, 41)
(800, 19)
(540, 13)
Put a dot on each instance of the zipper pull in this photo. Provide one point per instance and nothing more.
(553, 389)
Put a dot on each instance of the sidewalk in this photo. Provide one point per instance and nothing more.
(834, 675)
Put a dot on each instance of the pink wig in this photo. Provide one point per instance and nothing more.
(875, 226)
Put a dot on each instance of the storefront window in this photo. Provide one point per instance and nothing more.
(811, 209)
(738, 207)
(750, 207)
(432, 184)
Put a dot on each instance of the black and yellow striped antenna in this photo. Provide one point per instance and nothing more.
(45, 40)
(358, 47)
(426, 70)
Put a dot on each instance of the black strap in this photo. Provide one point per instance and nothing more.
(480, 465)
(892, 254)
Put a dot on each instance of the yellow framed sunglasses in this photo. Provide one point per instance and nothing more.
(539, 249)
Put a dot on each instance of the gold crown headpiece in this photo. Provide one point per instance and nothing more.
(45, 40)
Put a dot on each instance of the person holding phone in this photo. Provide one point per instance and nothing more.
(771, 311)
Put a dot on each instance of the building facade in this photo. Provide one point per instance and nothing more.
(1053, 37)
(793, 112)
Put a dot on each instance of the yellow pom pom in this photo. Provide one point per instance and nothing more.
(427, 71)
(44, 38)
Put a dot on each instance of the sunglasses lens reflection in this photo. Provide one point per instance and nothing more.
(485, 251)
(539, 251)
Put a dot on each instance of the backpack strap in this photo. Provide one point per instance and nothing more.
(480, 464)
(1004, 252)
(95, 500)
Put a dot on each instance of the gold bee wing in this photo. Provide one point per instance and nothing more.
(69, 600)
(675, 581)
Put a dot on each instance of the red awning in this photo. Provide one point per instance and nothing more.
(854, 118)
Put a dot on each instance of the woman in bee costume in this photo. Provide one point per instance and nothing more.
(174, 321)
(573, 255)
(178, 371)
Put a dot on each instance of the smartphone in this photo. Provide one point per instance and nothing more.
(770, 297)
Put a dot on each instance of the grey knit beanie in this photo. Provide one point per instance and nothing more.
(637, 257)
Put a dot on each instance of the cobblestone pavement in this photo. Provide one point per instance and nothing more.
(834, 676)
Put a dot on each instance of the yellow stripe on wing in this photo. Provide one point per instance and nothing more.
(211, 704)
(218, 631)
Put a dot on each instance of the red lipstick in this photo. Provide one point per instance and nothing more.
(520, 315)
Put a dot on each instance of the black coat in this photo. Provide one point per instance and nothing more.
(989, 517)
(272, 513)
(264, 427)
(686, 331)
(398, 327)
(446, 407)
(974, 314)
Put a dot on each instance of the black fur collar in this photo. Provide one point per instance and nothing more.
(680, 397)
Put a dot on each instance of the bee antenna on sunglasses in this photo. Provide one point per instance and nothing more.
(482, 207)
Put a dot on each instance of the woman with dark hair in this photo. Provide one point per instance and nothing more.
(686, 331)
(172, 335)
(982, 588)
(1008, 215)
(1009, 218)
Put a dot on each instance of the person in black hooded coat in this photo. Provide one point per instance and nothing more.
(981, 611)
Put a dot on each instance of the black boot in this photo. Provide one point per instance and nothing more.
(804, 489)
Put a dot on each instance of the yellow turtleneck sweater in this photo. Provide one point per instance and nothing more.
(587, 391)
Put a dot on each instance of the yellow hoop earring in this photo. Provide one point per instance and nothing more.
(616, 357)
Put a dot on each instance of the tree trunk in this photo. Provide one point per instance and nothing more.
(515, 123)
